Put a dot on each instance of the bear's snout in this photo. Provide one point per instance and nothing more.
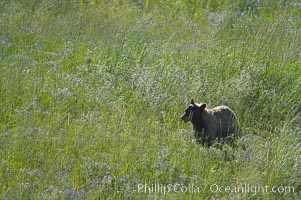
(185, 118)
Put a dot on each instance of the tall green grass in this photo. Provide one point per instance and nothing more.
(92, 91)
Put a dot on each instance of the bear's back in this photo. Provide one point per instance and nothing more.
(226, 120)
(222, 112)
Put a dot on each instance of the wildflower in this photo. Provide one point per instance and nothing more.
(50, 188)
(80, 80)
(183, 151)
(81, 193)
(27, 71)
(70, 192)
(107, 179)
(25, 57)
(124, 180)
(183, 178)
(164, 151)
(88, 60)
(258, 2)
(105, 166)
(67, 191)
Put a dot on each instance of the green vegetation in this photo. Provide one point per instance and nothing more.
(91, 93)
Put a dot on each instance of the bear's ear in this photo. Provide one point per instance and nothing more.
(203, 106)
(192, 102)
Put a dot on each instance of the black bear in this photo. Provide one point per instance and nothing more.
(210, 124)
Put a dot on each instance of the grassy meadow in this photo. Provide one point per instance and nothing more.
(91, 93)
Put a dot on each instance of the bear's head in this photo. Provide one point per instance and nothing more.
(193, 111)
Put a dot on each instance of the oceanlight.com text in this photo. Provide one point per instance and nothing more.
(253, 189)
(214, 188)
